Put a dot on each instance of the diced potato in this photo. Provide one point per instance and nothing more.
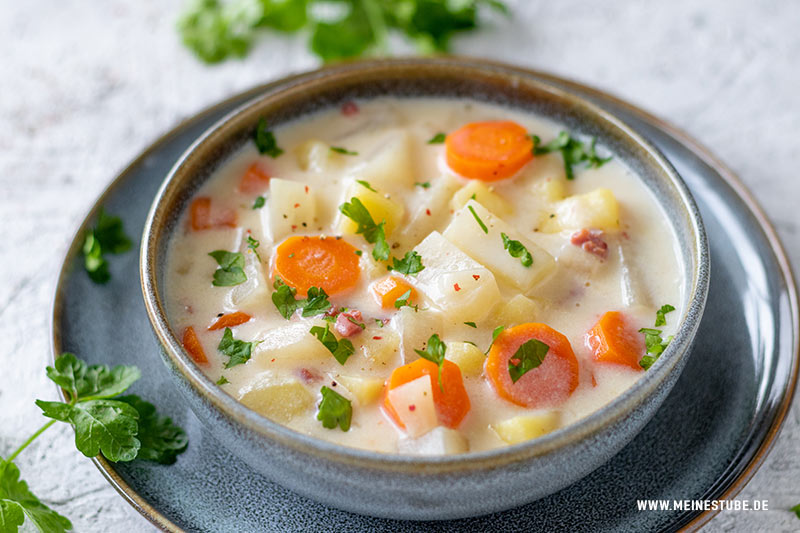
(462, 288)
(291, 204)
(549, 189)
(468, 357)
(383, 350)
(254, 294)
(316, 156)
(439, 441)
(432, 209)
(487, 248)
(379, 207)
(519, 310)
(415, 328)
(597, 209)
(527, 427)
(392, 167)
(413, 403)
(293, 341)
(482, 193)
(365, 390)
(279, 399)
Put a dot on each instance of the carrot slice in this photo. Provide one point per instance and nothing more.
(388, 290)
(613, 340)
(202, 216)
(489, 151)
(325, 262)
(230, 320)
(193, 346)
(549, 384)
(452, 403)
(254, 180)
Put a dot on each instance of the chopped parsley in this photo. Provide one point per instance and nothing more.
(478, 219)
(284, 299)
(403, 299)
(661, 319)
(434, 352)
(796, 510)
(471, 324)
(366, 185)
(252, 244)
(497, 331)
(341, 349)
(528, 356)
(265, 140)
(239, 351)
(411, 264)
(517, 249)
(653, 342)
(231, 268)
(356, 322)
(373, 233)
(107, 237)
(222, 380)
(334, 410)
(572, 150)
(424, 185)
(260, 202)
(343, 151)
(437, 139)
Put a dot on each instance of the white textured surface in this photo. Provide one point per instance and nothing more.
(85, 86)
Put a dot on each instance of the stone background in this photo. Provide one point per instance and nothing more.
(85, 86)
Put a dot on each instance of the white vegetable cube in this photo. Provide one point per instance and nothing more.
(380, 346)
(290, 342)
(439, 441)
(279, 399)
(392, 167)
(461, 287)
(291, 205)
(482, 193)
(365, 390)
(432, 209)
(527, 427)
(316, 156)
(487, 247)
(519, 310)
(254, 294)
(549, 189)
(413, 403)
(415, 328)
(468, 357)
(597, 209)
(379, 206)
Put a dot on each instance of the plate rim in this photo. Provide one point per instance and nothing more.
(705, 155)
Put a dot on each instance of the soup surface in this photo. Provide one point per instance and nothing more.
(423, 276)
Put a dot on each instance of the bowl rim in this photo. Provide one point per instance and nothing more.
(582, 429)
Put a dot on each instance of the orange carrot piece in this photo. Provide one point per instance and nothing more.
(549, 384)
(202, 216)
(452, 404)
(489, 151)
(326, 262)
(254, 180)
(613, 340)
(193, 346)
(230, 320)
(389, 289)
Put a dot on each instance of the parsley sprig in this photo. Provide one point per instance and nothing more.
(231, 268)
(315, 303)
(572, 150)
(654, 344)
(334, 410)
(265, 140)
(238, 351)
(528, 356)
(434, 352)
(341, 349)
(517, 249)
(107, 237)
(373, 233)
(410, 264)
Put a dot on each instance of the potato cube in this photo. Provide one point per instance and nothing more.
(415, 328)
(519, 310)
(365, 390)
(254, 294)
(380, 346)
(484, 194)
(549, 189)
(392, 167)
(488, 248)
(293, 341)
(432, 209)
(291, 204)
(467, 356)
(316, 156)
(597, 209)
(439, 441)
(379, 206)
(527, 427)
(413, 403)
(279, 399)
(461, 287)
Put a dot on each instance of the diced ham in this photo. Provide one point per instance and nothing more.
(255, 180)
(309, 375)
(345, 325)
(591, 240)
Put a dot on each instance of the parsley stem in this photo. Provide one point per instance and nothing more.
(377, 24)
(30, 440)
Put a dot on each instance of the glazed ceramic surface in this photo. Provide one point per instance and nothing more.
(728, 403)
(404, 487)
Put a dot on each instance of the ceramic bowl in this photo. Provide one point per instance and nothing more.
(410, 487)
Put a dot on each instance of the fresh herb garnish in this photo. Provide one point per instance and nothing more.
(222, 380)
(403, 299)
(366, 185)
(315, 303)
(334, 410)
(661, 319)
(356, 322)
(796, 510)
(437, 139)
(424, 185)
(373, 233)
(434, 352)
(572, 151)
(17, 503)
(478, 219)
(517, 249)
(345, 151)
(107, 237)
(252, 244)
(231, 268)
(260, 202)
(411, 264)
(265, 140)
(527, 357)
(471, 324)
(497, 331)
(341, 349)
(654, 344)
(238, 351)
(216, 30)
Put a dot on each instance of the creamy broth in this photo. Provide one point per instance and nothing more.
(567, 287)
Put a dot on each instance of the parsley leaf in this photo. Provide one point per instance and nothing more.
(315, 303)
(528, 356)
(425, 185)
(796, 510)
(341, 349)
(411, 264)
(107, 426)
(239, 351)
(517, 249)
(265, 140)
(214, 32)
(345, 151)
(373, 233)
(403, 299)
(654, 344)
(231, 268)
(161, 440)
(260, 202)
(82, 381)
(497, 331)
(334, 410)
(284, 300)
(17, 502)
(661, 319)
(107, 237)
(252, 244)
(434, 352)
(478, 219)
(572, 151)
(222, 381)
(471, 324)
(366, 185)
(437, 139)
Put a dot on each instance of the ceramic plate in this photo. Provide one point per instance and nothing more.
(706, 441)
